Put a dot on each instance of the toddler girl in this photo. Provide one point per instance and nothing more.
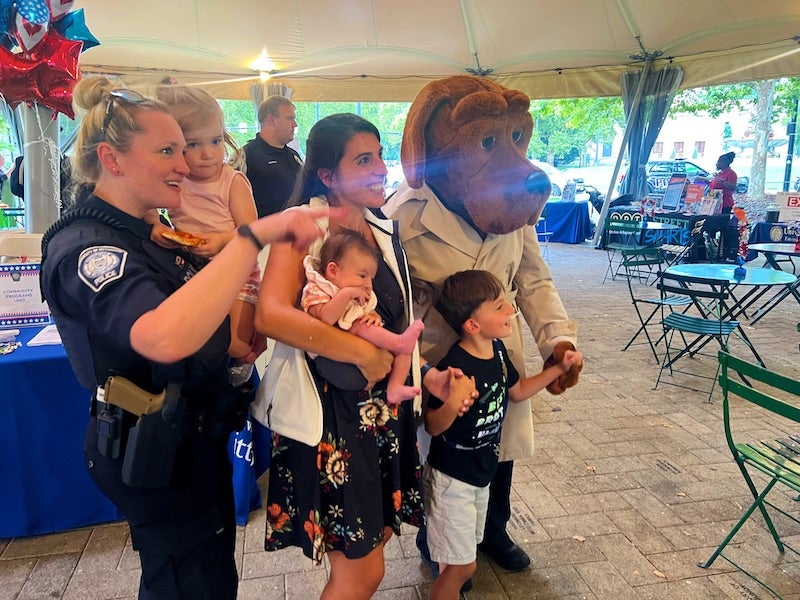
(215, 200)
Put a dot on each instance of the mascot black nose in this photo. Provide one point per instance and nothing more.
(538, 183)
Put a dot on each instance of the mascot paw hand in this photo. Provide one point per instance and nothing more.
(568, 379)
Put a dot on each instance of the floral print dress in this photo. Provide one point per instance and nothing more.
(364, 474)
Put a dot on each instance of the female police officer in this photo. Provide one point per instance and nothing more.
(127, 307)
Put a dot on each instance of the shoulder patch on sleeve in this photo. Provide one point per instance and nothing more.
(100, 265)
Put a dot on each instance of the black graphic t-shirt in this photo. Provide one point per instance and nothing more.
(468, 450)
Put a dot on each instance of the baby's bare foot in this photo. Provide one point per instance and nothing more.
(408, 339)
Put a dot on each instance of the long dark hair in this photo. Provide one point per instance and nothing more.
(324, 149)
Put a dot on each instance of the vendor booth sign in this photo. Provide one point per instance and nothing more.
(21, 301)
(789, 205)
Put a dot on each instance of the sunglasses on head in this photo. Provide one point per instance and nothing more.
(121, 95)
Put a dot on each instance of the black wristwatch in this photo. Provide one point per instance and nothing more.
(423, 370)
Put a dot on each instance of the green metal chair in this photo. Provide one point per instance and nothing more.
(620, 235)
(778, 460)
(639, 265)
(709, 297)
(678, 252)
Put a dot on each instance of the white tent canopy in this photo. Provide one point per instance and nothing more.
(386, 50)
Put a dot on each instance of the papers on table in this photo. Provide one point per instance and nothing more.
(8, 335)
(46, 337)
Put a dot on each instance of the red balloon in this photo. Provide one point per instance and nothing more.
(18, 82)
(59, 54)
(46, 77)
(60, 100)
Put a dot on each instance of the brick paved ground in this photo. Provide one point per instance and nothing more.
(628, 490)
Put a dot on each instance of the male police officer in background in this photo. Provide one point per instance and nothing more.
(272, 166)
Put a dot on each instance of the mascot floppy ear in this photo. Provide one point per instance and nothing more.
(413, 149)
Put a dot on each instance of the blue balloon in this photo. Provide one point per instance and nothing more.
(73, 27)
(34, 11)
(5, 17)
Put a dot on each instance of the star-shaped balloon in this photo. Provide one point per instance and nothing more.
(59, 99)
(47, 76)
(28, 34)
(34, 11)
(58, 54)
(17, 78)
(5, 16)
(59, 8)
(73, 27)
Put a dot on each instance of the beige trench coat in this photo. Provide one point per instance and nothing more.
(439, 243)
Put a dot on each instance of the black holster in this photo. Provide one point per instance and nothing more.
(152, 443)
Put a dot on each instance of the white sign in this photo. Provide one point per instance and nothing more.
(789, 205)
(21, 301)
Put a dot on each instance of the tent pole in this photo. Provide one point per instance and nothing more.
(598, 233)
(42, 168)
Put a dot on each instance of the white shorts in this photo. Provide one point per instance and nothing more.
(455, 515)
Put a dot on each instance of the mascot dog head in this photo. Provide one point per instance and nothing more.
(466, 138)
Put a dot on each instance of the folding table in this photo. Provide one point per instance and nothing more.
(758, 281)
(771, 253)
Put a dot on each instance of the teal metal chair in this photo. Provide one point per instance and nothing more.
(639, 265)
(619, 235)
(775, 399)
(709, 296)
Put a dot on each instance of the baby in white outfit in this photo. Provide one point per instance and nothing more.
(338, 291)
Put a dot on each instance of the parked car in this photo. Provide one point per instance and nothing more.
(659, 172)
(558, 179)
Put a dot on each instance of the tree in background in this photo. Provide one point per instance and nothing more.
(767, 102)
(6, 144)
(388, 117)
(564, 128)
(240, 120)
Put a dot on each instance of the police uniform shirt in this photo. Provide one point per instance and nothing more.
(98, 280)
(272, 172)
(468, 450)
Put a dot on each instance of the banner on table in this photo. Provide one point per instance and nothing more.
(21, 301)
(789, 205)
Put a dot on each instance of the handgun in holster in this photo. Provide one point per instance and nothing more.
(153, 440)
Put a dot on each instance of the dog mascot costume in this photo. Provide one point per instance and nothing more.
(470, 201)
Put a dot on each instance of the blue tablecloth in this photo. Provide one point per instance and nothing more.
(766, 233)
(568, 222)
(43, 413)
(44, 485)
(769, 233)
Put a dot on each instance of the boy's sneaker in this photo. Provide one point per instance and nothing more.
(239, 372)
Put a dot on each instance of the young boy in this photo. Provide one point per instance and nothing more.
(463, 453)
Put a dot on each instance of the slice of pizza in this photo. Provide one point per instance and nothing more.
(184, 238)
